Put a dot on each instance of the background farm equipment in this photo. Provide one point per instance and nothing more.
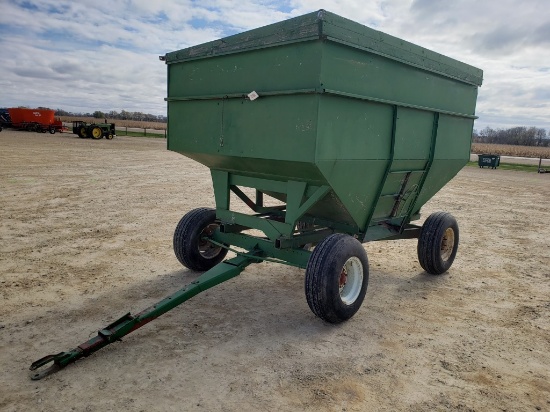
(34, 120)
(333, 134)
(5, 120)
(94, 130)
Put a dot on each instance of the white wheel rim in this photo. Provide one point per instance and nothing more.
(351, 280)
(447, 244)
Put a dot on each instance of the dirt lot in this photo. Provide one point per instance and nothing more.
(86, 231)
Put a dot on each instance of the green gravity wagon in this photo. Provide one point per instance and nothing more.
(328, 134)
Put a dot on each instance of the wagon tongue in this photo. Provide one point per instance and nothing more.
(57, 360)
(129, 323)
(111, 333)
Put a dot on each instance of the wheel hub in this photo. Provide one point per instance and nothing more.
(351, 280)
(208, 250)
(447, 244)
(343, 279)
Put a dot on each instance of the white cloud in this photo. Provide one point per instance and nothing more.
(72, 55)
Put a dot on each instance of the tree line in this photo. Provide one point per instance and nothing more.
(113, 114)
(519, 136)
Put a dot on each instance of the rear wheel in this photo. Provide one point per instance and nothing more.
(190, 247)
(337, 275)
(96, 133)
(438, 243)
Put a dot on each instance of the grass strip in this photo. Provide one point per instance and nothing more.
(513, 166)
(139, 134)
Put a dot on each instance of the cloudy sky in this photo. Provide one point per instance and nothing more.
(84, 56)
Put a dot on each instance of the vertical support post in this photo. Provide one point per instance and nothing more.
(295, 194)
(259, 198)
(220, 181)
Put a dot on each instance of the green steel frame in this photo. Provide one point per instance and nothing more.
(283, 238)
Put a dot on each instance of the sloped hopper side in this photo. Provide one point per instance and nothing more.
(382, 131)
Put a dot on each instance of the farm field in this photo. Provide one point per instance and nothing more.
(511, 150)
(86, 229)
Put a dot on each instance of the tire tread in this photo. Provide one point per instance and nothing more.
(430, 239)
(320, 267)
(190, 226)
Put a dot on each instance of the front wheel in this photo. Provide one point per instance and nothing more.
(190, 247)
(438, 243)
(337, 275)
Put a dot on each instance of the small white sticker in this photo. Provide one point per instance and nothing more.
(253, 95)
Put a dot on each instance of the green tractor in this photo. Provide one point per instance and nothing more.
(94, 130)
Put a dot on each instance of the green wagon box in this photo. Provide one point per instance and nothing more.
(352, 129)
(347, 132)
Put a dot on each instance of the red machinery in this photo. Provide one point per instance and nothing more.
(39, 120)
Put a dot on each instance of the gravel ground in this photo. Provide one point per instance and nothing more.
(86, 231)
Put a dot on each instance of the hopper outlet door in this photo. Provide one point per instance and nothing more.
(400, 189)
(414, 137)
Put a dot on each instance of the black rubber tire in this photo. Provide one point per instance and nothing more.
(437, 246)
(109, 136)
(52, 130)
(82, 133)
(187, 240)
(323, 276)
